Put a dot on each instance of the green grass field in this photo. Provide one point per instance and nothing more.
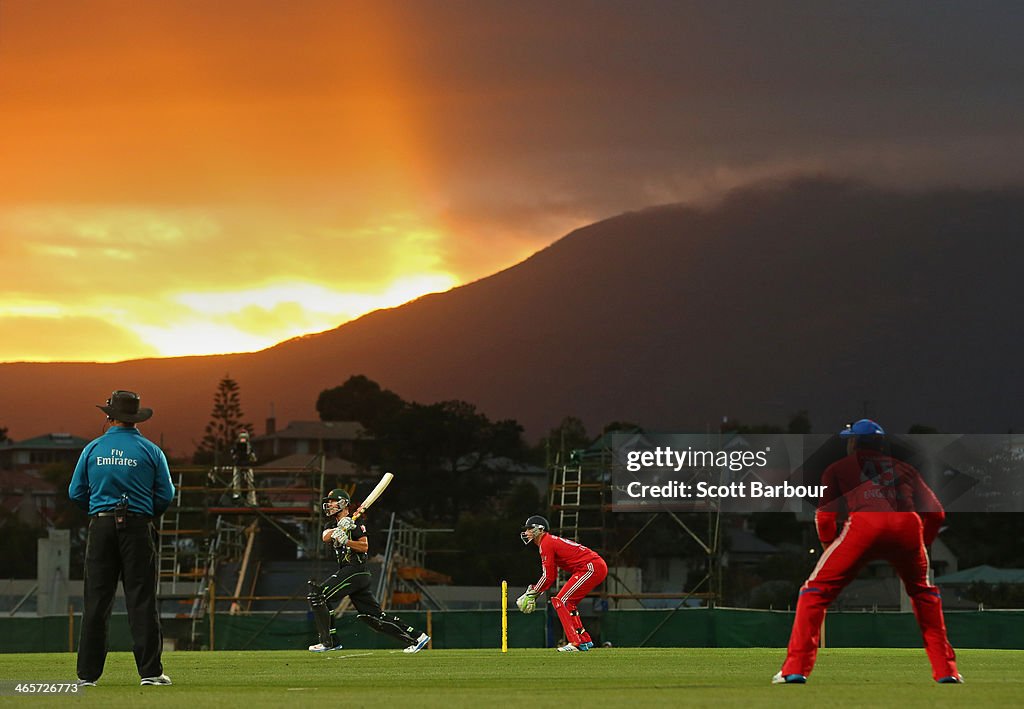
(618, 677)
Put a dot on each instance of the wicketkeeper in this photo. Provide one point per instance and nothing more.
(352, 579)
(587, 568)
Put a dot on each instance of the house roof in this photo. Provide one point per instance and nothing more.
(982, 574)
(49, 441)
(17, 480)
(305, 461)
(319, 430)
(500, 464)
(871, 592)
(742, 541)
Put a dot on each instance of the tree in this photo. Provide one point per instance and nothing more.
(443, 451)
(621, 427)
(18, 546)
(733, 425)
(487, 539)
(359, 399)
(1002, 595)
(225, 423)
(800, 422)
(66, 514)
(561, 441)
(427, 442)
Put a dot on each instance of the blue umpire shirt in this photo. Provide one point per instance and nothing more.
(122, 460)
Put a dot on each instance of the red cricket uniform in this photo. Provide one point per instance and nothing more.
(890, 513)
(588, 570)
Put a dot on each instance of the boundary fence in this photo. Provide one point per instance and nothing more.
(687, 627)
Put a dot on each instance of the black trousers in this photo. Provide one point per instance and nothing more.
(128, 554)
(353, 580)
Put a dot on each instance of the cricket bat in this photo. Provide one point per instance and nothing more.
(372, 497)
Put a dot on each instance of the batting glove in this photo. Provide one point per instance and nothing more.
(340, 536)
(346, 523)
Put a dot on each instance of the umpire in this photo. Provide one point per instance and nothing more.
(123, 482)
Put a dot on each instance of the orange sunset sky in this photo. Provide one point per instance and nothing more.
(191, 177)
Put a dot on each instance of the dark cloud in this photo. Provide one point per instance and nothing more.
(355, 143)
(580, 110)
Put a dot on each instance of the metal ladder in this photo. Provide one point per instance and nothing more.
(168, 561)
(226, 536)
(577, 501)
(569, 503)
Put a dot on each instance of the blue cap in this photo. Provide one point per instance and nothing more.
(864, 427)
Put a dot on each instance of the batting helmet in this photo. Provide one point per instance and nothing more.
(864, 427)
(530, 527)
(337, 496)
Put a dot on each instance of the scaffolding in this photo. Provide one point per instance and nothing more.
(579, 497)
(206, 527)
(405, 576)
(580, 504)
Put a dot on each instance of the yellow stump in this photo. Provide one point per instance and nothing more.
(504, 616)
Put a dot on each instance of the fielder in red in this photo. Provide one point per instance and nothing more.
(887, 512)
(587, 569)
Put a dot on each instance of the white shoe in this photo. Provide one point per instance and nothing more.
(421, 642)
(320, 647)
(86, 683)
(788, 679)
(161, 680)
(568, 647)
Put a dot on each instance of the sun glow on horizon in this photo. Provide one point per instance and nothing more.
(209, 323)
(250, 320)
(270, 179)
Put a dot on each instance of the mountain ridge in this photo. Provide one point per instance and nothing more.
(827, 295)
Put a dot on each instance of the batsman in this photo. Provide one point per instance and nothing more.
(351, 546)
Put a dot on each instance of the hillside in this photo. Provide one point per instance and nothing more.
(815, 294)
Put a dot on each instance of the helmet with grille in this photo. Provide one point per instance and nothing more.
(534, 526)
(335, 501)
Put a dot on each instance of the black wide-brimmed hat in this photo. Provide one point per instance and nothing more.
(124, 406)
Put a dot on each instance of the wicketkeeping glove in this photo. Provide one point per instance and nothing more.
(340, 536)
(527, 603)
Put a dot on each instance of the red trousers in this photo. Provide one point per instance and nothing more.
(895, 537)
(575, 590)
